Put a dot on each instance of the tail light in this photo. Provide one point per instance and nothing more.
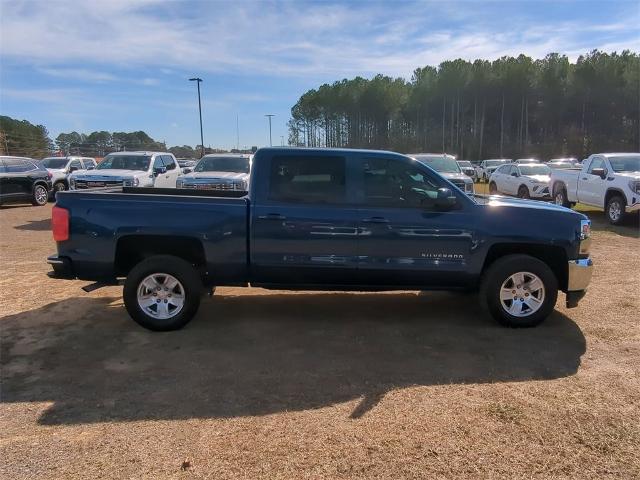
(60, 224)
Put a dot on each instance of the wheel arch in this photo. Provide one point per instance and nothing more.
(554, 256)
(611, 192)
(132, 249)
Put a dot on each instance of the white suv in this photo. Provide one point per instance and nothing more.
(61, 167)
(525, 180)
(130, 169)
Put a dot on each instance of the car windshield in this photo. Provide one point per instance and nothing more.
(493, 163)
(125, 162)
(54, 162)
(629, 163)
(465, 164)
(442, 164)
(535, 170)
(223, 164)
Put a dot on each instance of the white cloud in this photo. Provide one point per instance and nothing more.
(281, 39)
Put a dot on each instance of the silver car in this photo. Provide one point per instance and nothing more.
(219, 171)
(446, 166)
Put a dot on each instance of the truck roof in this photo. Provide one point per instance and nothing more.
(139, 153)
(325, 150)
(618, 154)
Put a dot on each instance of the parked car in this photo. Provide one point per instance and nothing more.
(132, 169)
(186, 164)
(610, 181)
(525, 180)
(561, 164)
(571, 160)
(61, 167)
(486, 168)
(467, 168)
(323, 219)
(219, 171)
(23, 180)
(446, 166)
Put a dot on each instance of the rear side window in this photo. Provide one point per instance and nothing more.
(16, 165)
(307, 179)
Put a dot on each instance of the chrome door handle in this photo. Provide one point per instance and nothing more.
(375, 220)
(272, 216)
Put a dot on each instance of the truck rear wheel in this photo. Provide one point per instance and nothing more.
(162, 293)
(519, 291)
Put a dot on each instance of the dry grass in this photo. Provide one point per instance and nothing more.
(273, 385)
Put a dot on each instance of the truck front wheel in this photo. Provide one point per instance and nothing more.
(560, 197)
(162, 293)
(519, 290)
(615, 210)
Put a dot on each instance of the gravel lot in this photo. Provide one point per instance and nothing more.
(312, 385)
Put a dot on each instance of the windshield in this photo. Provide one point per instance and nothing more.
(125, 162)
(223, 164)
(465, 164)
(441, 164)
(535, 170)
(493, 163)
(54, 162)
(629, 163)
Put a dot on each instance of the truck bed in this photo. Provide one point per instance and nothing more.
(106, 223)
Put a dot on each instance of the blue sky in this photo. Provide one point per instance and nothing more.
(123, 65)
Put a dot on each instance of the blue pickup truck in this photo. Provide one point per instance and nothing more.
(322, 219)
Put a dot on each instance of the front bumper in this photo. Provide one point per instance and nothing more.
(578, 279)
(632, 208)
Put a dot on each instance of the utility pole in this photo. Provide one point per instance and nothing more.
(282, 140)
(269, 115)
(237, 133)
(198, 80)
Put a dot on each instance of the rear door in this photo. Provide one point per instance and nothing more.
(17, 182)
(404, 239)
(304, 227)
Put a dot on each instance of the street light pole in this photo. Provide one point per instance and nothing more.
(270, 115)
(198, 80)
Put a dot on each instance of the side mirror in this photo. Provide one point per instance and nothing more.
(186, 170)
(445, 199)
(72, 169)
(159, 171)
(90, 167)
(515, 174)
(601, 172)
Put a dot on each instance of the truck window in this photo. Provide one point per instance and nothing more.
(307, 179)
(597, 162)
(393, 183)
(157, 162)
(169, 162)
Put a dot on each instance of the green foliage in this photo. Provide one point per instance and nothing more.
(21, 138)
(510, 107)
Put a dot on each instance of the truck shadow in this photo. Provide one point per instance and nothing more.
(36, 225)
(260, 354)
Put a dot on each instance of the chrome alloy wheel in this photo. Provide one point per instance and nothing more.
(615, 211)
(161, 295)
(40, 194)
(522, 294)
(559, 198)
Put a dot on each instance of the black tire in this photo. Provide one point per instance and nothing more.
(40, 195)
(59, 187)
(523, 192)
(560, 197)
(615, 210)
(493, 188)
(183, 271)
(499, 271)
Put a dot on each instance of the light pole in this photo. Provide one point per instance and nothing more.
(270, 115)
(198, 80)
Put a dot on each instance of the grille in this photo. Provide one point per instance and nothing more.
(214, 186)
(97, 183)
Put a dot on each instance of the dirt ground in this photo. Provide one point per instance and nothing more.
(313, 385)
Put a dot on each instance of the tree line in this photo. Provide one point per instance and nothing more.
(22, 138)
(511, 107)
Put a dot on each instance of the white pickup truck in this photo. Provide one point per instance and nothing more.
(610, 181)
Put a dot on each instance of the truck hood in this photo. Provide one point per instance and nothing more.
(101, 174)
(456, 176)
(629, 175)
(500, 201)
(217, 175)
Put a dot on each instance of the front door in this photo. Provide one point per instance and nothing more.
(404, 239)
(592, 187)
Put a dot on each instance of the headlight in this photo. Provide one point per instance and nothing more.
(72, 183)
(634, 185)
(136, 181)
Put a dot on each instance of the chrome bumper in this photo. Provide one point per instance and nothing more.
(580, 272)
(632, 208)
